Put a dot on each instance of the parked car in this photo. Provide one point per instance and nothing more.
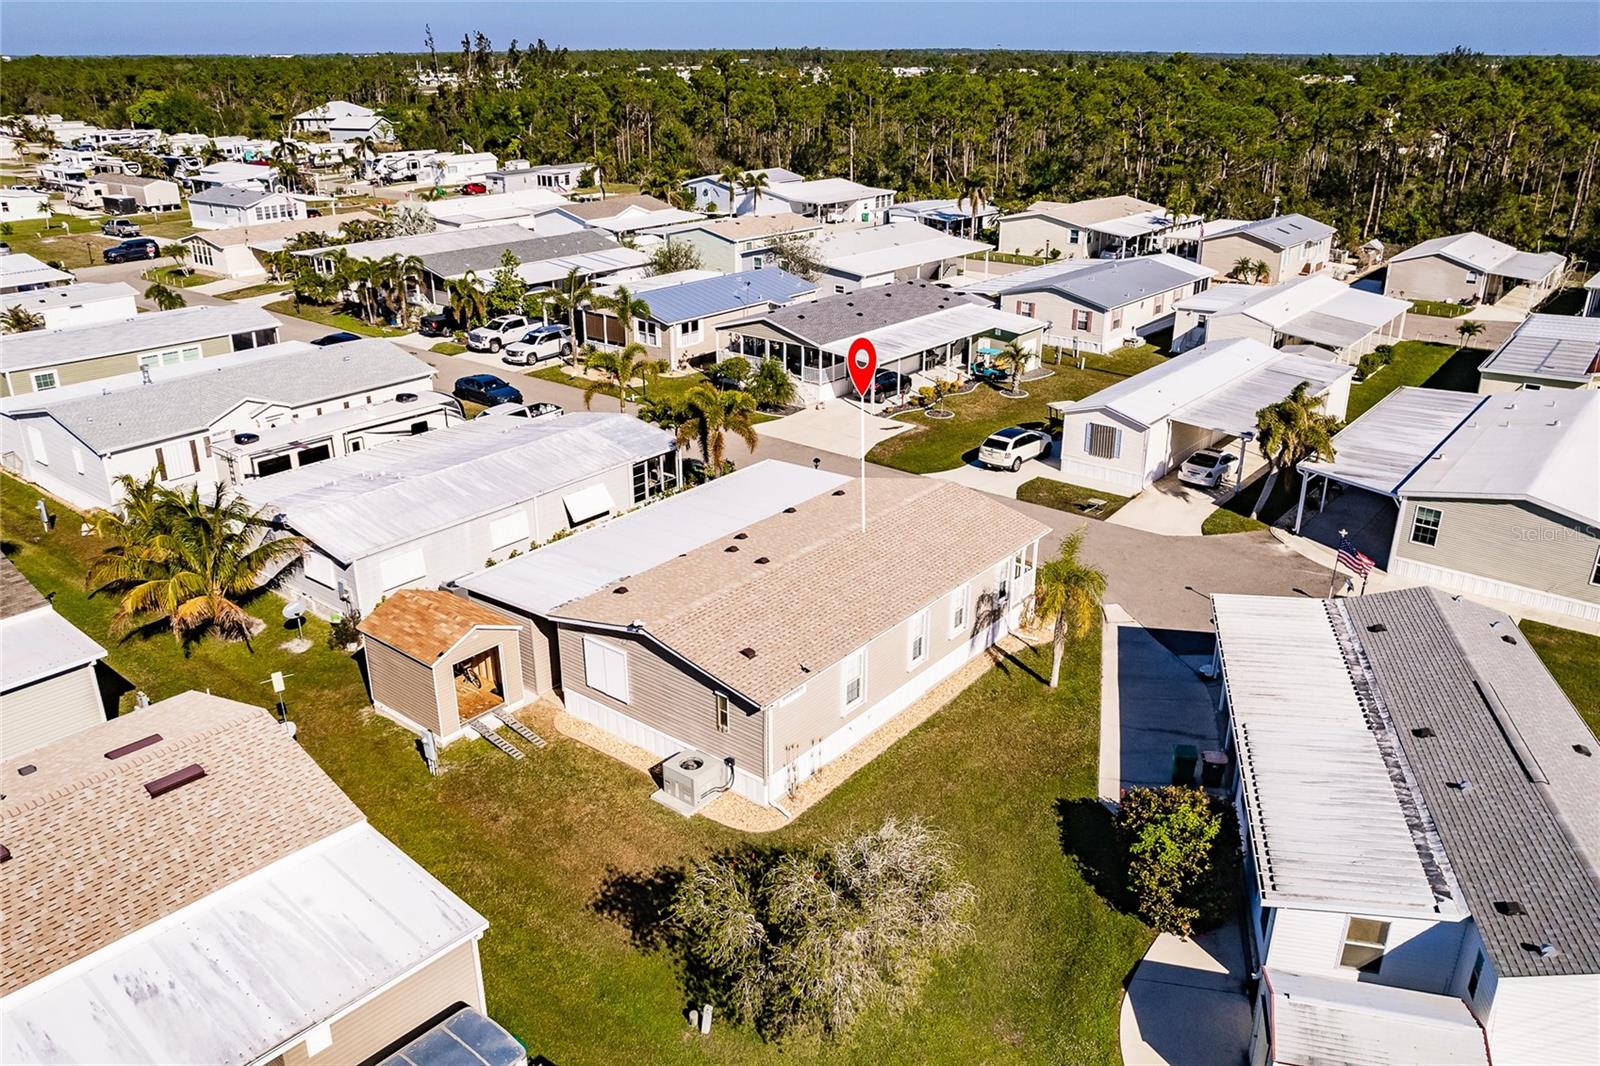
(341, 337)
(496, 333)
(474, 188)
(888, 384)
(487, 390)
(1009, 448)
(437, 324)
(1207, 468)
(132, 251)
(521, 410)
(120, 227)
(550, 340)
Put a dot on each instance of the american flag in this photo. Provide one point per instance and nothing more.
(1353, 560)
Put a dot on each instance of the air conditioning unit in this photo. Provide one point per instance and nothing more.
(689, 777)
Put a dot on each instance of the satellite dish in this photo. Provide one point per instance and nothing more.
(294, 611)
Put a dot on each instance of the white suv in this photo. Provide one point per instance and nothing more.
(496, 333)
(548, 341)
(1006, 449)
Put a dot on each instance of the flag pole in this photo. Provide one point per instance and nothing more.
(1333, 575)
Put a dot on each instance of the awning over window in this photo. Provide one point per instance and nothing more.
(588, 503)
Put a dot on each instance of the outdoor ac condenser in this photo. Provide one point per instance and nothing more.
(689, 777)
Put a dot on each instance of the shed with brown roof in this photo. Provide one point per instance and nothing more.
(436, 660)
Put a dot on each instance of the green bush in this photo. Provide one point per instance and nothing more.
(1374, 361)
(1173, 839)
(342, 631)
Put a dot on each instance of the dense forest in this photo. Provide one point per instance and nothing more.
(1401, 148)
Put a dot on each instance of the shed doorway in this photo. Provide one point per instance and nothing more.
(479, 685)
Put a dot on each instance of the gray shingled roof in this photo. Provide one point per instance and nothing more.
(142, 332)
(486, 257)
(854, 313)
(302, 374)
(1525, 830)
(1284, 231)
(231, 195)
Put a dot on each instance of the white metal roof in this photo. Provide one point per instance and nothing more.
(19, 268)
(1380, 449)
(358, 504)
(138, 332)
(1318, 309)
(1140, 224)
(1556, 348)
(1328, 825)
(40, 643)
(547, 271)
(941, 327)
(635, 542)
(1318, 1019)
(822, 191)
(1197, 375)
(76, 294)
(1477, 252)
(878, 250)
(318, 427)
(233, 977)
(1232, 409)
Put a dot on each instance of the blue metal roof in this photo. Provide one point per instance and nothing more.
(730, 292)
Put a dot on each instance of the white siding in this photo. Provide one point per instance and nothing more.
(1419, 955)
(45, 711)
(1537, 1021)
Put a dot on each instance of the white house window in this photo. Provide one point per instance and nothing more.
(1102, 442)
(855, 680)
(605, 668)
(917, 639)
(1477, 976)
(319, 568)
(1425, 526)
(1002, 584)
(719, 704)
(649, 333)
(689, 330)
(959, 600)
(1364, 940)
(45, 379)
(1075, 236)
(77, 460)
(1027, 308)
(1082, 320)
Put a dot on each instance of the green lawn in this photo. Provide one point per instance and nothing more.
(1438, 366)
(1234, 515)
(334, 320)
(1573, 658)
(448, 348)
(1438, 308)
(260, 289)
(1222, 521)
(175, 277)
(81, 242)
(566, 855)
(945, 444)
(1049, 492)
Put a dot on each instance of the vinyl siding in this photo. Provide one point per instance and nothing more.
(73, 373)
(1220, 253)
(447, 980)
(666, 696)
(403, 685)
(1512, 542)
(1128, 472)
(1041, 234)
(1419, 955)
(46, 711)
(1540, 1020)
(1431, 278)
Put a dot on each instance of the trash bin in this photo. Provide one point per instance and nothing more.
(1213, 769)
(1184, 758)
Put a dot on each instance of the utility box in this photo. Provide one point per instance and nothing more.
(689, 778)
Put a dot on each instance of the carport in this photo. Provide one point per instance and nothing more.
(1378, 453)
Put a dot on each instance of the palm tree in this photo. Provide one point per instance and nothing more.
(732, 177)
(771, 385)
(288, 172)
(18, 319)
(1180, 203)
(397, 273)
(210, 153)
(668, 412)
(1014, 360)
(1469, 330)
(754, 181)
(1289, 432)
(1263, 272)
(569, 296)
(178, 251)
(194, 564)
(627, 307)
(1243, 269)
(619, 368)
(165, 297)
(468, 302)
(975, 188)
(710, 415)
(1067, 593)
(136, 521)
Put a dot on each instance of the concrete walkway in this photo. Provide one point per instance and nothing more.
(834, 427)
(1186, 1005)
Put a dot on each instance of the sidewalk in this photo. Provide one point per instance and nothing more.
(1186, 1002)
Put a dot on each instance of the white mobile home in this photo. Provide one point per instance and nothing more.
(82, 303)
(450, 168)
(48, 688)
(1316, 310)
(896, 251)
(230, 207)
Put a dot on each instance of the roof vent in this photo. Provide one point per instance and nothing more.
(788, 510)
(741, 536)
(1377, 627)
(1510, 908)
(620, 590)
(1424, 732)
(1581, 749)
(177, 779)
(748, 653)
(838, 492)
(1508, 638)
(5, 853)
(731, 548)
(133, 746)
(405, 397)
(24, 771)
(1464, 785)
(1512, 406)
(763, 561)
(1554, 422)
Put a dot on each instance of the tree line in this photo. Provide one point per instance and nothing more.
(1399, 148)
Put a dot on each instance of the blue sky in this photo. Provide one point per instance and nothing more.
(79, 27)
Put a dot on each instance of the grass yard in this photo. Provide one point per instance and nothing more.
(946, 444)
(175, 277)
(566, 855)
(1048, 492)
(1573, 658)
(264, 288)
(79, 242)
(334, 320)
(1438, 308)
(1222, 521)
(1234, 515)
(1438, 366)
(448, 348)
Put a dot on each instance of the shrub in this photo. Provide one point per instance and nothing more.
(1170, 837)
(342, 632)
(1374, 361)
(805, 941)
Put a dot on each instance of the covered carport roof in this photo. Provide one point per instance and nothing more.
(1232, 409)
(1529, 266)
(1381, 449)
(941, 327)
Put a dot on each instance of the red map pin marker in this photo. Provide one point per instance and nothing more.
(863, 364)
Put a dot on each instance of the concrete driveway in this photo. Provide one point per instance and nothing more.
(834, 427)
(1186, 1003)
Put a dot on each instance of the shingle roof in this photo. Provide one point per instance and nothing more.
(17, 594)
(230, 196)
(149, 329)
(852, 313)
(294, 374)
(426, 623)
(1088, 212)
(1113, 283)
(711, 603)
(592, 210)
(527, 249)
(95, 857)
(1515, 832)
(749, 227)
(263, 232)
